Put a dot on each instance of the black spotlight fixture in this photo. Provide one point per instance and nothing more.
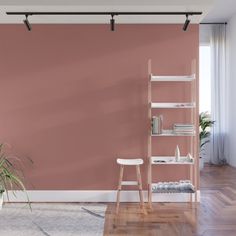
(27, 24)
(112, 23)
(186, 23)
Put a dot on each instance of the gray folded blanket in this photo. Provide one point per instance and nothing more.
(183, 186)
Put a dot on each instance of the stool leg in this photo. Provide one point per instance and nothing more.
(150, 195)
(150, 185)
(119, 188)
(139, 179)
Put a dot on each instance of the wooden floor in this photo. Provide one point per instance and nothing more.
(214, 216)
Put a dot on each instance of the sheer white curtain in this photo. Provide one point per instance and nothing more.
(219, 95)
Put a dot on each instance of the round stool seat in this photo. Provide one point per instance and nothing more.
(130, 162)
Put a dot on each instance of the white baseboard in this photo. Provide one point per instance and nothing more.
(93, 196)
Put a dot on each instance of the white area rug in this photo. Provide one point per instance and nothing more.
(52, 219)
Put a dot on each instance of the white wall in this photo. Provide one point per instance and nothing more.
(204, 34)
(231, 71)
(204, 39)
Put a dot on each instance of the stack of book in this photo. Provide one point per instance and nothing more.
(187, 129)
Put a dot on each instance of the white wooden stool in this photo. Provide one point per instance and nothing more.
(129, 162)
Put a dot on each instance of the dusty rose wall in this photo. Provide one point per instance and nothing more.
(74, 97)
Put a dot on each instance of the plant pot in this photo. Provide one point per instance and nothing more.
(201, 164)
(1, 200)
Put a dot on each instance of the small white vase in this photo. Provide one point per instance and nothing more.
(177, 154)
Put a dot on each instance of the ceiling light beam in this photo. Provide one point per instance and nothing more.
(112, 23)
(27, 24)
(186, 23)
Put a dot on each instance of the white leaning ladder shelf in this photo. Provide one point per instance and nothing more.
(191, 107)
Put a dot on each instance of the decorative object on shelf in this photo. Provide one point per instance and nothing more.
(184, 129)
(185, 105)
(157, 122)
(205, 124)
(189, 157)
(11, 176)
(183, 186)
(154, 125)
(159, 161)
(177, 154)
(170, 132)
(170, 160)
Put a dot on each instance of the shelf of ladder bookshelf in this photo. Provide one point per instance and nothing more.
(186, 189)
(172, 133)
(169, 192)
(172, 105)
(170, 160)
(173, 78)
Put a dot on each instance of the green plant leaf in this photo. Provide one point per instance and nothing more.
(204, 123)
(11, 177)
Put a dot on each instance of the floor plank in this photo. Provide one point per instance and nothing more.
(215, 215)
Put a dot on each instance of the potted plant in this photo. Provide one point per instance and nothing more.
(11, 177)
(205, 124)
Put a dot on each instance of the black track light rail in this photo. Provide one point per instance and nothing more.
(213, 23)
(29, 13)
(112, 14)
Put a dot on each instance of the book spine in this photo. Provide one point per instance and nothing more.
(157, 124)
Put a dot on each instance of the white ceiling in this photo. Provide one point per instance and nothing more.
(222, 11)
(102, 2)
(104, 5)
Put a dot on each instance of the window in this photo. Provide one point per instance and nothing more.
(205, 79)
